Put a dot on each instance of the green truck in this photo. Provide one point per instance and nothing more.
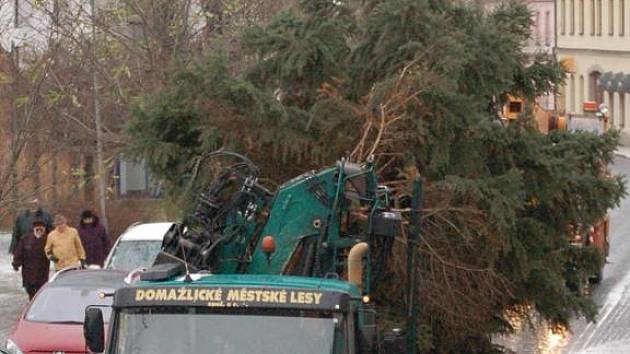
(252, 271)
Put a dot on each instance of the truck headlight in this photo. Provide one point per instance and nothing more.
(13, 348)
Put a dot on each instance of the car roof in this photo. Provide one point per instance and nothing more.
(93, 278)
(148, 231)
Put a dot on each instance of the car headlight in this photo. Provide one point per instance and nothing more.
(13, 348)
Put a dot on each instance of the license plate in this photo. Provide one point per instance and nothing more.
(58, 352)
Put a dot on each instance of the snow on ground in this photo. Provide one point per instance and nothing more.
(619, 347)
(12, 296)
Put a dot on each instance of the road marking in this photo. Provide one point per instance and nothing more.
(612, 300)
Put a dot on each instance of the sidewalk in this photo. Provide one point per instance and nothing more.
(623, 151)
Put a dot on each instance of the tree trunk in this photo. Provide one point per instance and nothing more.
(90, 172)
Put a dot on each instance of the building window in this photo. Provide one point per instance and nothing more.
(581, 91)
(548, 28)
(581, 29)
(593, 18)
(562, 16)
(609, 100)
(594, 94)
(611, 17)
(599, 17)
(622, 17)
(572, 24)
(571, 106)
(515, 107)
(537, 28)
(622, 109)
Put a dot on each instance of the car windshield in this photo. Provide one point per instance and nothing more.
(130, 255)
(57, 304)
(195, 331)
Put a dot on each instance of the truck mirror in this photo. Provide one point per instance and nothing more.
(367, 328)
(94, 329)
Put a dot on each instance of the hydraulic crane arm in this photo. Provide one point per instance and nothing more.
(313, 219)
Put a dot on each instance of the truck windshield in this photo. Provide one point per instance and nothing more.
(195, 330)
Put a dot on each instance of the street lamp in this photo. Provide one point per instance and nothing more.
(602, 110)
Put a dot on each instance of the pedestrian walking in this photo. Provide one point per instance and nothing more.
(63, 246)
(30, 256)
(24, 222)
(94, 238)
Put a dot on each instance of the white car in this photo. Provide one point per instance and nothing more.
(138, 246)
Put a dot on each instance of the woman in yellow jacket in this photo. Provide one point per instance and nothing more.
(63, 246)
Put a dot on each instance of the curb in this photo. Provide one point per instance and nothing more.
(623, 154)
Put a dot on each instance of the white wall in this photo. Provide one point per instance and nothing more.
(543, 19)
(617, 40)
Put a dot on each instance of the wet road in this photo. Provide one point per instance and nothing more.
(611, 333)
(12, 297)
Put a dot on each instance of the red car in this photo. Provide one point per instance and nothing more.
(53, 321)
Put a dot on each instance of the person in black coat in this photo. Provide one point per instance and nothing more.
(24, 222)
(30, 256)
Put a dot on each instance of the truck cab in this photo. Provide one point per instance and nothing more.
(223, 313)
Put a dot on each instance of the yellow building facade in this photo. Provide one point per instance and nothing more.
(593, 41)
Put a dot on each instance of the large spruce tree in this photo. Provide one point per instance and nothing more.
(417, 83)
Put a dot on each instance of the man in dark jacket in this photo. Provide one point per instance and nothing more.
(94, 239)
(29, 254)
(24, 222)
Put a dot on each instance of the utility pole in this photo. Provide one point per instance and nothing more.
(413, 236)
(101, 176)
(15, 125)
(55, 152)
